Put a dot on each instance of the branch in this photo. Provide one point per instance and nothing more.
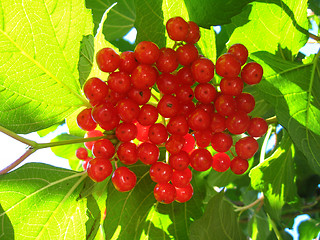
(246, 207)
(272, 120)
(315, 37)
(17, 137)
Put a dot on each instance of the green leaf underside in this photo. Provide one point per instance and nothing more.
(309, 229)
(137, 215)
(219, 221)
(282, 27)
(120, 19)
(294, 91)
(275, 177)
(40, 201)
(211, 13)
(39, 54)
(86, 58)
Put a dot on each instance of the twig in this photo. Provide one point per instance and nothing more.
(272, 120)
(246, 207)
(17, 137)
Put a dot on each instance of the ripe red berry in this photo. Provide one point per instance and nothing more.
(106, 116)
(218, 123)
(240, 52)
(228, 65)
(231, 86)
(184, 194)
(178, 125)
(148, 153)
(82, 153)
(95, 90)
(221, 142)
(103, 148)
(239, 165)
(252, 73)
(139, 96)
(128, 62)
(184, 93)
(177, 28)
(185, 77)
(147, 52)
(119, 82)
(160, 172)
(85, 120)
(199, 119)
(99, 169)
(148, 115)
(164, 193)
(107, 59)
(189, 143)
(91, 134)
(245, 102)
(181, 178)
(202, 70)
(174, 144)
(126, 131)
(180, 160)
(257, 127)
(167, 83)
(193, 35)
(167, 61)
(187, 54)
(200, 159)
(168, 106)
(127, 110)
(144, 76)
(124, 179)
(205, 92)
(157, 133)
(127, 153)
(143, 132)
(238, 122)
(221, 162)
(246, 147)
(203, 138)
(225, 105)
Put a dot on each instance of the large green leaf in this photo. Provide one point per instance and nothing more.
(86, 58)
(120, 19)
(293, 90)
(309, 229)
(275, 177)
(39, 52)
(137, 215)
(271, 25)
(41, 203)
(211, 13)
(219, 221)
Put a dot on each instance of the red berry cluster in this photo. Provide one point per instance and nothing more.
(190, 112)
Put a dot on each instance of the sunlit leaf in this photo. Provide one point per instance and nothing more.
(86, 58)
(309, 229)
(41, 203)
(39, 79)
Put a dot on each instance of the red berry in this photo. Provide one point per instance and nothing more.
(164, 193)
(228, 65)
(148, 153)
(160, 172)
(168, 106)
(167, 83)
(106, 116)
(189, 143)
(86, 162)
(157, 133)
(240, 52)
(119, 82)
(221, 162)
(181, 178)
(187, 54)
(85, 120)
(143, 131)
(95, 90)
(178, 125)
(128, 62)
(252, 73)
(231, 86)
(218, 123)
(107, 59)
(180, 160)
(245, 102)
(225, 105)
(200, 159)
(186, 108)
(144, 76)
(174, 144)
(203, 138)
(127, 153)
(199, 119)
(126, 131)
(124, 179)
(146, 52)
(202, 70)
(205, 92)
(139, 96)
(184, 194)
(103, 148)
(91, 134)
(207, 107)
(127, 110)
(246, 147)
(238, 122)
(167, 61)
(177, 28)
(185, 77)
(257, 127)
(193, 35)
(239, 165)
(184, 94)
(148, 115)
(99, 169)
(221, 142)
(82, 153)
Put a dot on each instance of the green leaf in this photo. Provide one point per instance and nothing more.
(40, 43)
(219, 221)
(293, 90)
(211, 13)
(72, 124)
(41, 203)
(120, 19)
(309, 229)
(271, 25)
(86, 58)
(68, 151)
(207, 44)
(275, 177)
(137, 215)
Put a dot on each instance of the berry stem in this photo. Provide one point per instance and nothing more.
(17, 137)
(275, 229)
(272, 120)
(18, 161)
(246, 207)
(265, 143)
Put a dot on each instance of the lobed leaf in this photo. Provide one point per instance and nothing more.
(39, 50)
(40, 202)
